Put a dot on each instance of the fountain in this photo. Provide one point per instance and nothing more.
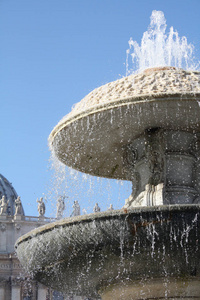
(144, 128)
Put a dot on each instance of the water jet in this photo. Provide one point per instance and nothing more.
(144, 128)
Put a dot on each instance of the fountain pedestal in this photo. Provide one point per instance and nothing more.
(164, 168)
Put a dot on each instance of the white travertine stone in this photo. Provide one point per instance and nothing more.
(158, 81)
(151, 196)
(13, 224)
(18, 217)
(2, 292)
(15, 292)
(42, 292)
(158, 194)
(3, 241)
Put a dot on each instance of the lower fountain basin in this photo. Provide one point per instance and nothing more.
(145, 253)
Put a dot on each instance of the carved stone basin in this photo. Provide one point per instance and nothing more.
(91, 138)
(145, 253)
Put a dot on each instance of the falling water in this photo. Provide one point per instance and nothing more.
(73, 185)
(159, 49)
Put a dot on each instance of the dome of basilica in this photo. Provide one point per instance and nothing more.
(7, 190)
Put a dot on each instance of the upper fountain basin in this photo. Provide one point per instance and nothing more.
(92, 137)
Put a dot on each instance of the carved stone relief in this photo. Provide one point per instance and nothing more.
(2, 226)
(17, 226)
(171, 158)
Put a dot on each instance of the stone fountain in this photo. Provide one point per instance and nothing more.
(144, 128)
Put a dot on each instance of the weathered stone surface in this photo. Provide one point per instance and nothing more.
(92, 137)
(92, 253)
(163, 157)
(166, 80)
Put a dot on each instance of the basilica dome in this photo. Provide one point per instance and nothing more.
(7, 190)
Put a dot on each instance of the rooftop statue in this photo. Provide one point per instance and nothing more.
(18, 207)
(41, 207)
(96, 208)
(110, 207)
(60, 207)
(84, 211)
(76, 209)
(3, 206)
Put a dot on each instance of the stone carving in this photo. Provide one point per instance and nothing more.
(5, 266)
(130, 155)
(110, 207)
(18, 226)
(155, 166)
(130, 158)
(18, 207)
(60, 207)
(163, 156)
(3, 227)
(151, 196)
(84, 211)
(41, 207)
(159, 82)
(76, 209)
(154, 155)
(96, 208)
(3, 206)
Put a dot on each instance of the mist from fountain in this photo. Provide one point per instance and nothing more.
(87, 189)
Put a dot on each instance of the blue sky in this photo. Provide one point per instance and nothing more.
(53, 53)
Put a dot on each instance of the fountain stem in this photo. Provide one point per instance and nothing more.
(161, 164)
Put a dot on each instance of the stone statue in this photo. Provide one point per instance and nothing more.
(84, 211)
(18, 207)
(60, 207)
(3, 206)
(41, 207)
(96, 208)
(76, 209)
(110, 207)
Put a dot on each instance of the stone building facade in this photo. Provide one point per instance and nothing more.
(14, 283)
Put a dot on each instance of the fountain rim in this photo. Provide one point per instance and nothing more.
(159, 68)
(116, 104)
(90, 284)
(100, 216)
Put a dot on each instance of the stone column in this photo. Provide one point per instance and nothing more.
(2, 291)
(42, 292)
(3, 238)
(15, 291)
(167, 159)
